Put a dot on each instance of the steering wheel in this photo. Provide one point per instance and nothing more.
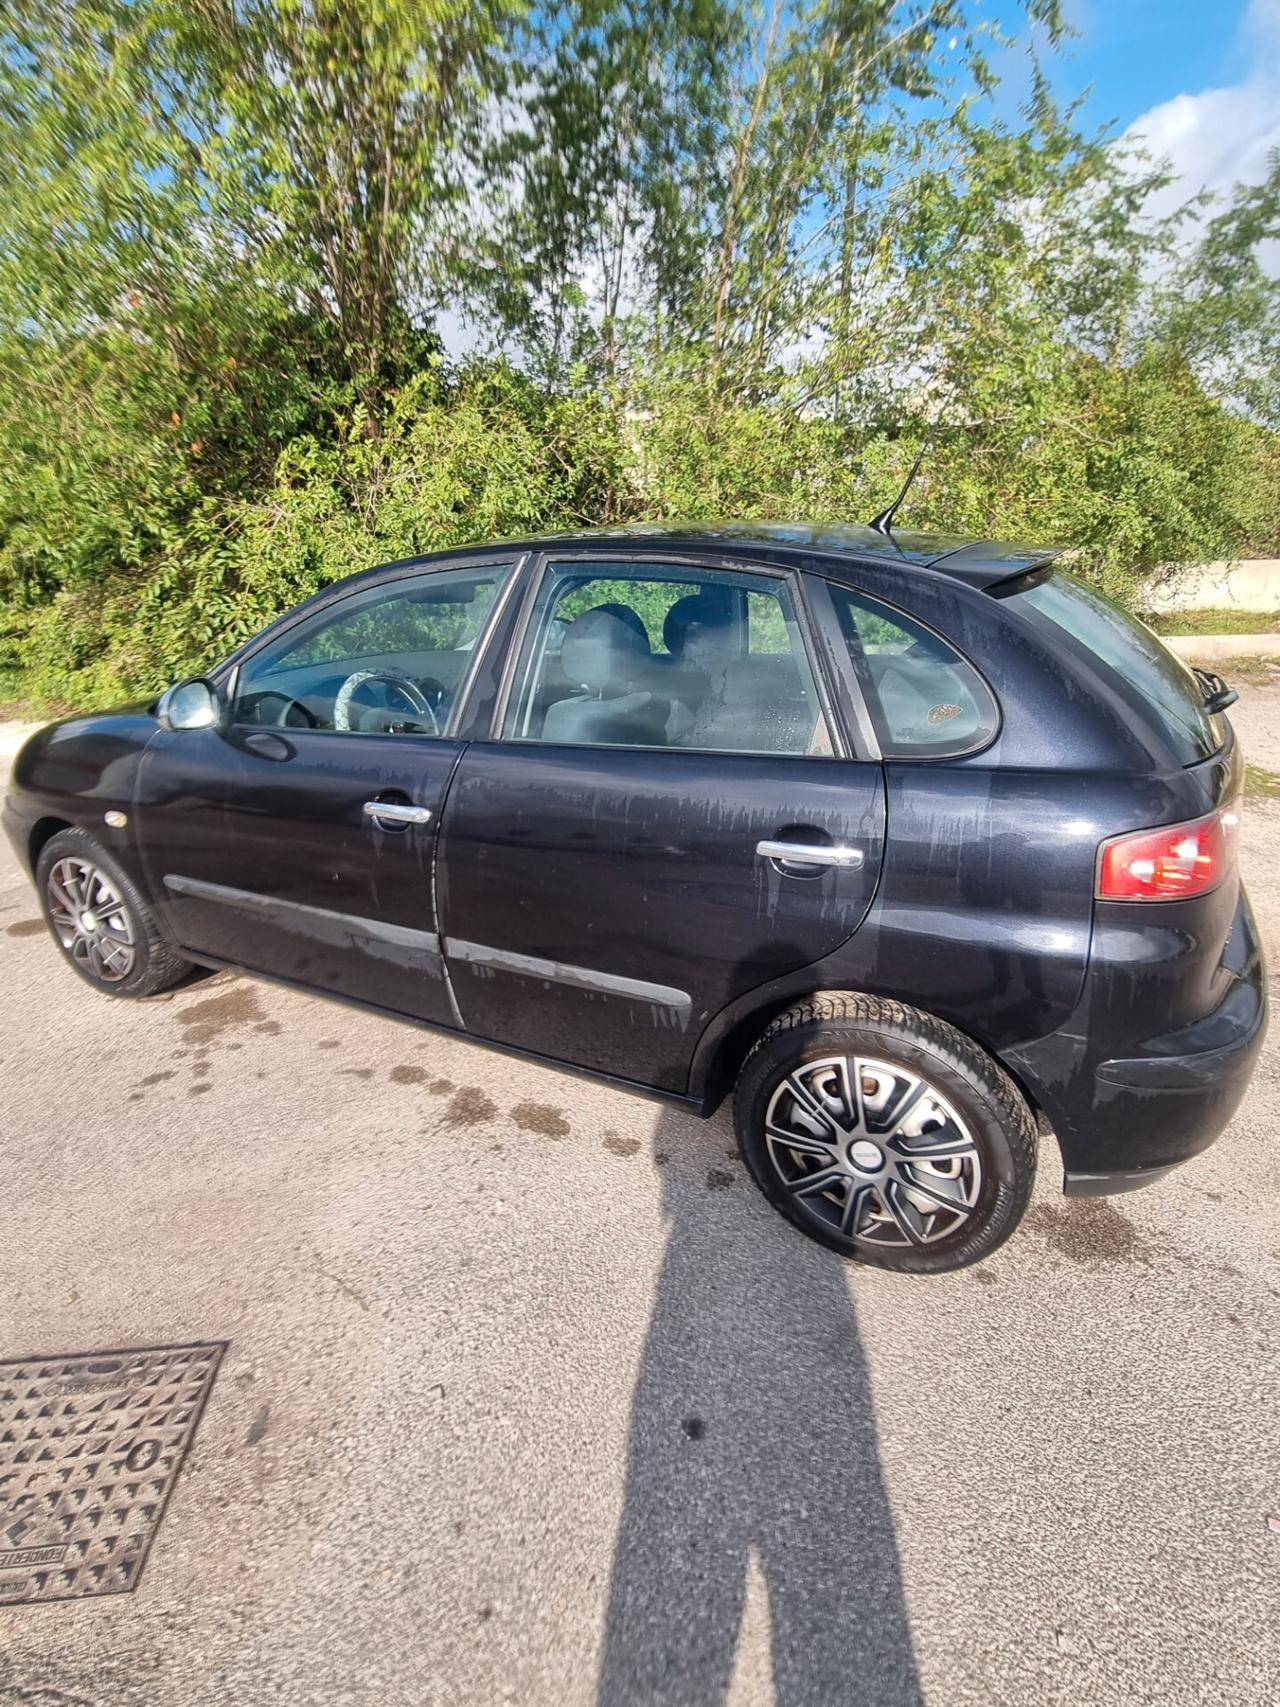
(293, 714)
(394, 679)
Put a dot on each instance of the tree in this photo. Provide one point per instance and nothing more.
(346, 131)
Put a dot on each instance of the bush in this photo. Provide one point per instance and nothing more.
(142, 597)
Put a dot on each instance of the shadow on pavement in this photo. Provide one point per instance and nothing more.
(752, 1433)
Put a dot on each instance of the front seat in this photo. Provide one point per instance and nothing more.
(606, 650)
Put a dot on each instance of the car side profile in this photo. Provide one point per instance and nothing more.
(916, 845)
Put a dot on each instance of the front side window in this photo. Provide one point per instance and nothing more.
(925, 700)
(642, 655)
(388, 661)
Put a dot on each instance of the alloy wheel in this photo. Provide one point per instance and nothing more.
(91, 920)
(873, 1151)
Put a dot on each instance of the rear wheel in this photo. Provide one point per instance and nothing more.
(885, 1133)
(100, 921)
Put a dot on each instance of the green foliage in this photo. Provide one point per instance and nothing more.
(1210, 621)
(724, 258)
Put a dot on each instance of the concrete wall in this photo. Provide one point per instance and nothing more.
(1250, 585)
(1216, 648)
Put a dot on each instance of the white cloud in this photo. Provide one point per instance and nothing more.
(1220, 137)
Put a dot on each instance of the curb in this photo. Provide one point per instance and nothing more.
(1211, 648)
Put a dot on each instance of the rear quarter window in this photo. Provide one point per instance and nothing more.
(925, 700)
(1155, 683)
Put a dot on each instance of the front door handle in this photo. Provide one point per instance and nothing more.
(387, 810)
(805, 853)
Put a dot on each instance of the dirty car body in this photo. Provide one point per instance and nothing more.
(544, 795)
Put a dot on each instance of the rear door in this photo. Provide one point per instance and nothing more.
(617, 864)
(299, 841)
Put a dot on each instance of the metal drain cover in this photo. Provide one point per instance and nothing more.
(90, 1447)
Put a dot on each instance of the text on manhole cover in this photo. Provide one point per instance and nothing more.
(90, 1446)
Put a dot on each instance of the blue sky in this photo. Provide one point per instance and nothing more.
(1198, 79)
(1140, 53)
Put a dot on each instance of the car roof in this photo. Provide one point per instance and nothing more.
(980, 563)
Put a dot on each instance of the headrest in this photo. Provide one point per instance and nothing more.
(602, 646)
(707, 610)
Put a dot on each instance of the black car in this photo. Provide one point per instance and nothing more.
(919, 844)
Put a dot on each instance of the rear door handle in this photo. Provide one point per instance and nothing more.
(805, 853)
(393, 814)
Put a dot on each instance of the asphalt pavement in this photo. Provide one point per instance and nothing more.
(529, 1397)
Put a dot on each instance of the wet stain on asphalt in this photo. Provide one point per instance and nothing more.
(156, 1078)
(26, 927)
(407, 1075)
(694, 1427)
(621, 1146)
(469, 1106)
(198, 1090)
(440, 1087)
(661, 1158)
(206, 1020)
(356, 1072)
(718, 1179)
(258, 1427)
(541, 1118)
(268, 1027)
(1090, 1230)
(984, 1278)
(328, 1043)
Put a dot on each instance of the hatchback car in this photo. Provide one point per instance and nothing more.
(921, 845)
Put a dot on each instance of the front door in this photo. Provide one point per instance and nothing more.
(616, 868)
(299, 841)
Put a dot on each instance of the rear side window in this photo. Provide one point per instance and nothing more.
(926, 702)
(652, 655)
(1145, 674)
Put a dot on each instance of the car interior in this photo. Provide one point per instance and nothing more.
(712, 667)
(391, 665)
(611, 660)
(600, 676)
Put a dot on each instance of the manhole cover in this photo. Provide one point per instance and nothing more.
(90, 1447)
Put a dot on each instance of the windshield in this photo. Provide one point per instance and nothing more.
(1142, 670)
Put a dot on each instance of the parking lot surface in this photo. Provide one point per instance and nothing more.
(529, 1397)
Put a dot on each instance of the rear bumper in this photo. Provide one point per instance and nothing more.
(1123, 1120)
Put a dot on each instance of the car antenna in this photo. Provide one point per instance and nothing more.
(883, 523)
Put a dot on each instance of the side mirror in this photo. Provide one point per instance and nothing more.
(190, 705)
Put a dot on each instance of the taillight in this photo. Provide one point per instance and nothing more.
(1172, 863)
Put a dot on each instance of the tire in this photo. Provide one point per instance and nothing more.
(854, 1181)
(123, 951)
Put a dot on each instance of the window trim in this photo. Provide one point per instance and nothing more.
(227, 676)
(863, 742)
(538, 573)
(867, 688)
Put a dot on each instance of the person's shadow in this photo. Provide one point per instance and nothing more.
(752, 1433)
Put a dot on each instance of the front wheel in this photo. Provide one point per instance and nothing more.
(100, 921)
(885, 1133)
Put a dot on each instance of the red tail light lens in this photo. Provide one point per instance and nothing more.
(1172, 863)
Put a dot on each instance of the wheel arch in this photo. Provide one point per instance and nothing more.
(43, 831)
(719, 1058)
(715, 1069)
